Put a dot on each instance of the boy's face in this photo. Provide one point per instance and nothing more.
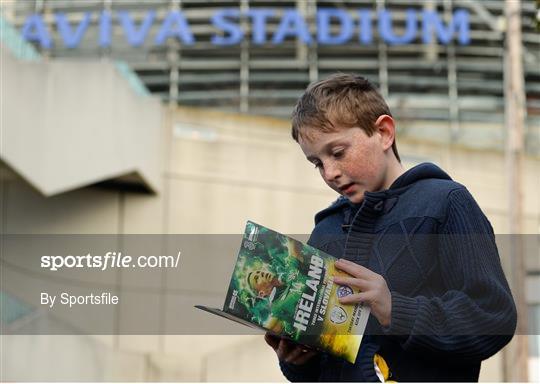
(349, 161)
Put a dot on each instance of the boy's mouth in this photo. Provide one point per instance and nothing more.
(346, 189)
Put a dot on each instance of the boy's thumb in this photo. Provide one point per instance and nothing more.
(272, 340)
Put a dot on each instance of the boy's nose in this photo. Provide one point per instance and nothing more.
(331, 172)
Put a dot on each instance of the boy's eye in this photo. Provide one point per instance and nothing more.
(317, 164)
(339, 153)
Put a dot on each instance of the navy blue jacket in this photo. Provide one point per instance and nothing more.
(451, 304)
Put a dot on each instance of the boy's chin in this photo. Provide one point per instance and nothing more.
(355, 199)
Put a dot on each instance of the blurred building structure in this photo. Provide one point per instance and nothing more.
(87, 148)
(456, 84)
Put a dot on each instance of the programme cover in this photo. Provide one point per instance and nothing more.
(286, 287)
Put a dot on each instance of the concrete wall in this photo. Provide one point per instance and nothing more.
(220, 170)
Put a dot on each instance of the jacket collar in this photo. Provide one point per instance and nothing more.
(360, 236)
(338, 205)
(417, 173)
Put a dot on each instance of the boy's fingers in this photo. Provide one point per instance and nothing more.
(353, 269)
(288, 351)
(351, 281)
(304, 357)
(283, 349)
(300, 355)
(354, 298)
(293, 355)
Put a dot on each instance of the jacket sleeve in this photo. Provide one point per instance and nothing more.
(476, 316)
(308, 372)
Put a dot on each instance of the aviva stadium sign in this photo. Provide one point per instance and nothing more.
(335, 26)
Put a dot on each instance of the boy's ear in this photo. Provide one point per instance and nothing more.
(386, 127)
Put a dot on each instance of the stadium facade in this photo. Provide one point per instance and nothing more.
(440, 63)
(88, 148)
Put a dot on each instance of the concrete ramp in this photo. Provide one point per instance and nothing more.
(67, 124)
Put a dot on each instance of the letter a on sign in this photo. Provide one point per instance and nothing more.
(34, 29)
(175, 25)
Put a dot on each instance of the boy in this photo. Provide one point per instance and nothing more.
(415, 243)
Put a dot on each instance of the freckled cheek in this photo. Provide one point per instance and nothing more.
(364, 170)
(371, 163)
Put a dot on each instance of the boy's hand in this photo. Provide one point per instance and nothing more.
(373, 287)
(289, 351)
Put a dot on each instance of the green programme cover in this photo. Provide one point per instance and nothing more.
(286, 287)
